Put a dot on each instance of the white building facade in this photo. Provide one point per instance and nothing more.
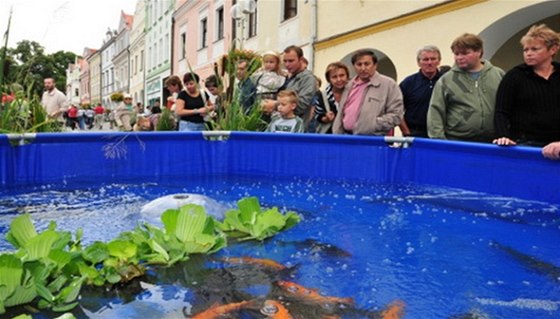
(108, 69)
(121, 60)
(137, 53)
(158, 48)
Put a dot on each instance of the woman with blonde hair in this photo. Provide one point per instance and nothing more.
(528, 98)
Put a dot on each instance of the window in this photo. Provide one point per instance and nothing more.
(76, 92)
(161, 58)
(149, 58)
(203, 33)
(253, 23)
(183, 46)
(290, 9)
(220, 23)
(233, 24)
(155, 56)
(141, 60)
(166, 48)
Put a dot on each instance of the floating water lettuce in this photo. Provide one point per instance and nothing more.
(39, 268)
(64, 316)
(250, 221)
(50, 267)
(194, 229)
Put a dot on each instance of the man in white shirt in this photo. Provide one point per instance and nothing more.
(54, 101)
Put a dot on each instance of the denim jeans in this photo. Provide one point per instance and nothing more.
(186, 126)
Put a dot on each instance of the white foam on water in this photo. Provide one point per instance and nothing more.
(522, 303)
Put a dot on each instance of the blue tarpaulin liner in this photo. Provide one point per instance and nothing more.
(44, 158)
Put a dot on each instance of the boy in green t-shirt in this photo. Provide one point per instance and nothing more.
(285, 120)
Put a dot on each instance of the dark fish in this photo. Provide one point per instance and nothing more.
(297, 292)
(532, 262)
(317, 247)
(470, 315)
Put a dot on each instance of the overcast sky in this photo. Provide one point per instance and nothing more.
(68, 25)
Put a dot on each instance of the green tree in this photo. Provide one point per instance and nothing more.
(27, 64)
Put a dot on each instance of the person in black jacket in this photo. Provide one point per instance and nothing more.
(528, 98)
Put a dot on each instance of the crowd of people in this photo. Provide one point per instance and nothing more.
(472, 101)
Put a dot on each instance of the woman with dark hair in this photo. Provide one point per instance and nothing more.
(192, 104)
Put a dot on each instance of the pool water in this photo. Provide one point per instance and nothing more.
(445, 253)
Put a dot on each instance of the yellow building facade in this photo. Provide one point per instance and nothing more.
(397, 29)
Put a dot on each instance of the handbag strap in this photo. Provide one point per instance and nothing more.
(326, 102)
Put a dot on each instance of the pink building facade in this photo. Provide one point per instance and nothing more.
(202, 34)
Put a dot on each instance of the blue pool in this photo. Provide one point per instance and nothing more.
(435, 225)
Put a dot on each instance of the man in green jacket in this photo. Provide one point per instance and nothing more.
(462, 103)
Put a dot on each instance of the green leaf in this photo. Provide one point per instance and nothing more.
(190, 222)
(249, 207)
(255, 223)
(122, 249)
(21, 231)
(249, 204)
(64, 238)
(41, 245)
(38, 270)
(65, 307)
(292, 219)
(89, 272)
(66, 316)
(79, 234)
(96, 252)
(57, 284)
(21, 296)
(45, 293)
(111, 262)
(11, 270)
(71, 292)
(113, 276)
(60, 258)
(159, 250)
(169, 220)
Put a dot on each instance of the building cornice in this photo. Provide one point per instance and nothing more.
(398, 21)
(184, 8)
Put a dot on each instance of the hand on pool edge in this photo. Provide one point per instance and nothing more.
(552, 151)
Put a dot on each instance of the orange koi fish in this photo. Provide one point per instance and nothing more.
(216, 311)
(272, 309)
(394, 311)
(308, 295)
(265, 263)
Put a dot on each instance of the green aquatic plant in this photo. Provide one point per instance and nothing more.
(18, 114)
(50, 267)
(166, 121)
(233, 117)
(40, 268)
(64, 316)
(251, 221)
(187, 230)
